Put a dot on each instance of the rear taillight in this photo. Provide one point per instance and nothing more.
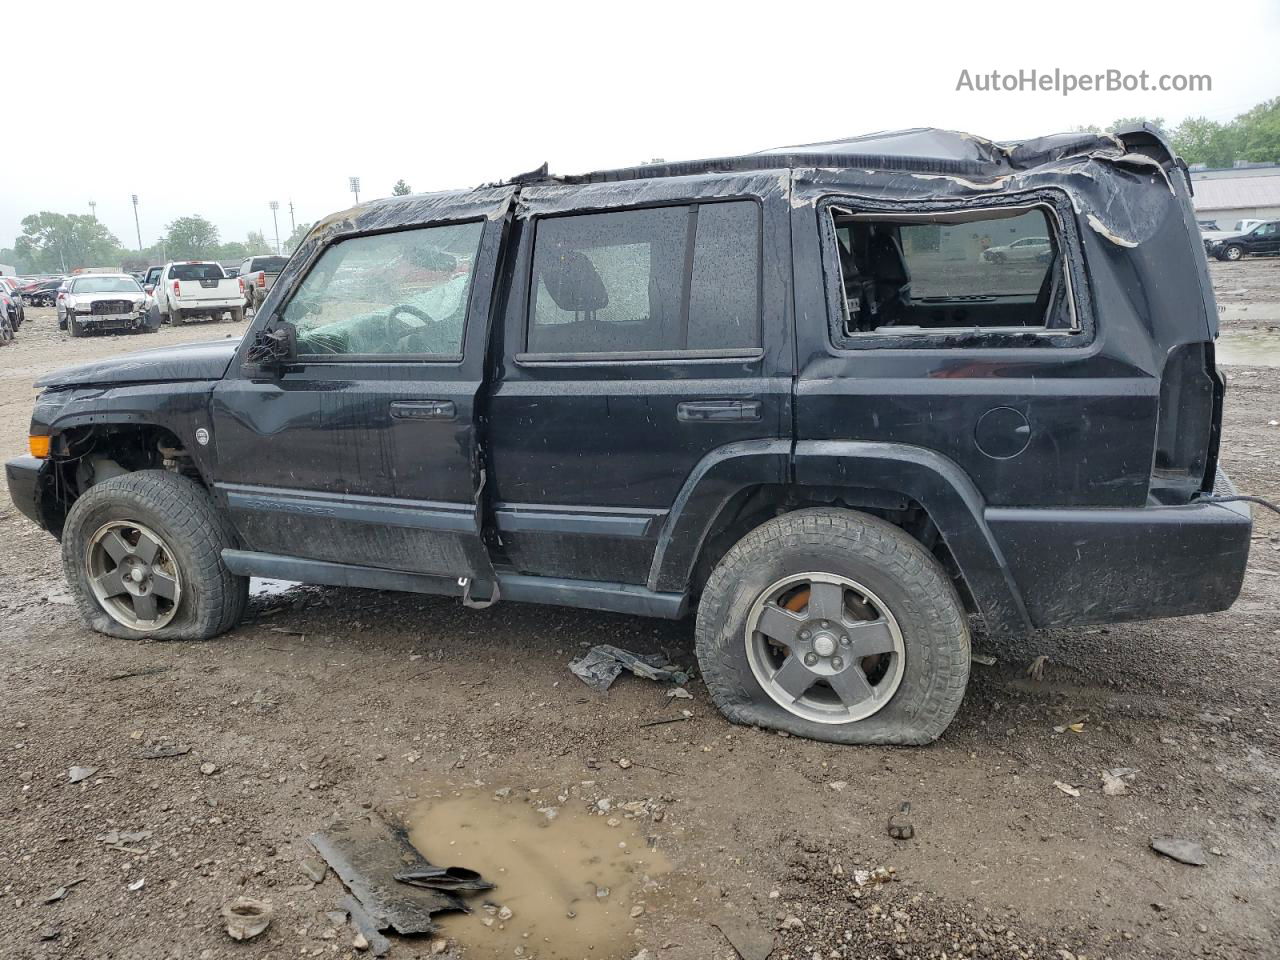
(241, 279)
(177, 290)
(262, 279)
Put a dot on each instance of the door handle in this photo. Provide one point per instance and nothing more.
(424, 410)
(718, 411)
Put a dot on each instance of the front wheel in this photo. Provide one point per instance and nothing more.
(74, 328)
(143, 554)
(837, 626)
(1232, 253)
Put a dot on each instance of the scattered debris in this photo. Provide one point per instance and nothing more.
(1036, 670)
(366, 928)
(444, 878)
(1184, 851)
(1075, 726)
(138, 884)
(367, 854)
(658, 723)
(246, 918)
(900, 827)
(837, 785)
(624, 763)
(600, 666)
(142, 672)
(337, 917)
(208, 769)
(314, 869)
(983, 658)
(748, 938)
(679, 693)
(866, 877)
(50, 933)
(505, 913)
(163, 752)
(1066, 788)
(62, 890)
(76, 774)
(1112, 785)
(117, 839)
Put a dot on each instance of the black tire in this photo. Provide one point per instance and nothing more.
(237, 315)
(1231, 253)
(175, 317)
(74, 328)
(165, 318)
(180, 511)
(901, 573)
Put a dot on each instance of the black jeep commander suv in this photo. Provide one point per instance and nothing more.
(785, 390)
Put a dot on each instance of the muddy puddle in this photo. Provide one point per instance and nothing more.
(1249, 348)
(575, 883)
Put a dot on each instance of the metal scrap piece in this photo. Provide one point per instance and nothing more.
(366, 926)
(367, 854)
(600, 666)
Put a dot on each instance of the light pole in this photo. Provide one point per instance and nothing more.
(355, 187)
(274, 205)
(293, 226)
(136, 225)
(93, 209)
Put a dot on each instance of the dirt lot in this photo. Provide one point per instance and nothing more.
(328, 702)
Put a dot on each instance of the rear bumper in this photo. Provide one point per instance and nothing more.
(1081, 566)
(28, 480)
(221, 303)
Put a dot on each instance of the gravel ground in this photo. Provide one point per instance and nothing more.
(329, 702)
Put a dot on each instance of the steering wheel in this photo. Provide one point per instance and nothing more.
(398, 330)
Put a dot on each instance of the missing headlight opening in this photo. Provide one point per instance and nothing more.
(995, 271)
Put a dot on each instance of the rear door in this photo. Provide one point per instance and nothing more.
(647, 328)
(365, 451)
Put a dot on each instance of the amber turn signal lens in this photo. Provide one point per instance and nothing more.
(39, 446)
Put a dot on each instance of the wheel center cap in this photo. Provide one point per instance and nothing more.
(136, 574)
(824, 645)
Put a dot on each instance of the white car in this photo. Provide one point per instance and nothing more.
(103, 301)
(1028, 248)
(188, 289)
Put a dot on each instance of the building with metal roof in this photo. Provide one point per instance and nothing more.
(1230, 194)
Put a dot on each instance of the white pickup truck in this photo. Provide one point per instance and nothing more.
(187, 289)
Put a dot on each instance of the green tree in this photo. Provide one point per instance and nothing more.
(10, 256)
(56, 242)
(401, 189)
(256, 245)
(299, 234)
(1201, 140)
(1258, 133)
(191, 238)
(232, 250)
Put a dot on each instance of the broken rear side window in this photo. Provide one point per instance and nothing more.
(978, 272)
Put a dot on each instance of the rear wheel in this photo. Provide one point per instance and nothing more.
(834, 625)
(143, 554)
(237, 315)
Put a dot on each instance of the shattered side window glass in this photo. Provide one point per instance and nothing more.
(623, 281)
(393, 294)
(991, 270)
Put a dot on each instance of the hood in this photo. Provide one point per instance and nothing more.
(186, 361)
(130, 295)
(1220, 235)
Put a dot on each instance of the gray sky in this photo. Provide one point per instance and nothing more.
(217, 109)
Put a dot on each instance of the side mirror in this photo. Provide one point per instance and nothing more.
(150, 288)
(274, 346)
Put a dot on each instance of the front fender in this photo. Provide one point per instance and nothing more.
(946, 493)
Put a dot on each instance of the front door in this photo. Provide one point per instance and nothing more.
(364, 451)
(644, 332)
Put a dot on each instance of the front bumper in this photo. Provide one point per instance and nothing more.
(29, 479)
(111, 321)
(1086, 565)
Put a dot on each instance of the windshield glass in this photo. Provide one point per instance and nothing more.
(269, 264)
(197, 271)
(105, 285)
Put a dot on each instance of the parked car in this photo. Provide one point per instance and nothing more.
(16, 310)
(151, 278)
(7, 329)
(773, 389)
(1028, 248)
(98, 302)
(1210, 237)
(1207, 224)
(194, 289)
(41, 293)
(259, 274)
(1262, 240)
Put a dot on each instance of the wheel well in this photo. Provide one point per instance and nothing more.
(89, 454)
(751, 507)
